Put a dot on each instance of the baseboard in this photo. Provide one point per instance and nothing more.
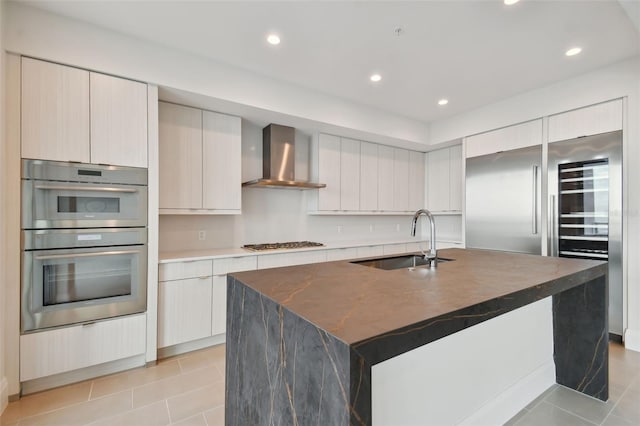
(4, 394)
(506, 405)
(191, 346)
(61, 379)
(632, 340)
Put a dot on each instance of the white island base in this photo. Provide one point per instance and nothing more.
(482, 375)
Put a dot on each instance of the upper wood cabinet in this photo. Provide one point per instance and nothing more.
(200, 161)
(118, 121)
(444, 180)
(591, 120)
(70, 114)
(55, 112)
(505, 139)
(364, 177)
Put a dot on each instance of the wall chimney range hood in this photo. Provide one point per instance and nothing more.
(278, 161)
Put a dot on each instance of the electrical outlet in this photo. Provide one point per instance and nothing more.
(339, 229)
(202, 235)
(371, 228)
(397, 227)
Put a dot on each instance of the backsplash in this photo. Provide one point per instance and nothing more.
(271, 215)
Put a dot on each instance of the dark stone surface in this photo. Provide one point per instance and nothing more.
(301, 340)
(580, 338)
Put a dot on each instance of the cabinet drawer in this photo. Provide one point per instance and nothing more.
(188, 269)
(394, 249)
(417, 246)
(370, 251)
(234, 264)
(71, 348)
(290, 259)
(342, 254)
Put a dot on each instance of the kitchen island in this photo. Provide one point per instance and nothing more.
(303, 341)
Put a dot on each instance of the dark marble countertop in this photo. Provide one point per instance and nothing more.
(356, 303)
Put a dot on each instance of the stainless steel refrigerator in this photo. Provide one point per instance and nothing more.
(502, 207)
(584, 217)
(585, 207)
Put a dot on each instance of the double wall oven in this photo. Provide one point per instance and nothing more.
(84, 243)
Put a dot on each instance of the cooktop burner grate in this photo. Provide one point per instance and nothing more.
(282, 246)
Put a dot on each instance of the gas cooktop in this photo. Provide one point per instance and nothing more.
(282, 246)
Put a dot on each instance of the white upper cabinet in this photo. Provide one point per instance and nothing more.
(591, 120)
(69, 114)
(349, 174)
(328, 169)
(444, 180)
(180, 145)
(200, 161)
(118, 121)
(385, 178)
(221, 154)
(400, 180)
(368, 176)
(416, 180)
(55, 112)
(364, 177)
(505, 139)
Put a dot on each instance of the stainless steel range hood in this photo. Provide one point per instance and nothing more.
(278, 161)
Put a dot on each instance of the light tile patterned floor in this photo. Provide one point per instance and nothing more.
(189, 390)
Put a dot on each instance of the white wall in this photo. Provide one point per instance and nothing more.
(41, 34)
(615, 81)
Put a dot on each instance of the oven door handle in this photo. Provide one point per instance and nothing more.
(84, 188)
(103, 253)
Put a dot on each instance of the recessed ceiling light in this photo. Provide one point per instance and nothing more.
(510, 2)
(375, 77)
(443, 101)
(573, 51)
(273, 39)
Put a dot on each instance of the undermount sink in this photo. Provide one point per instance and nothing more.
(398, 262)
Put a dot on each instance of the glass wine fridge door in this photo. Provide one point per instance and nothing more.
(583, 209)
(81, 285)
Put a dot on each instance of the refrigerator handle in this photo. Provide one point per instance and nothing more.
(552, 225)
(534, 202)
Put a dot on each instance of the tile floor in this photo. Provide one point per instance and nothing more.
(189, 390)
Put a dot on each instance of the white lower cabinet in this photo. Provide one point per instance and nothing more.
(394, 249)
(71, 348)
(342, 254)
(370, 251)
(291, 259)
(184, 308)
(219, 304)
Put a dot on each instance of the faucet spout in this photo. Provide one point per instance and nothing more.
(432, 256)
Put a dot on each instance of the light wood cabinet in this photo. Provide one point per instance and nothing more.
(417, 180)
(327, 164)
(71, 348)
(505, 139)
(444, 180)
(180, 145)
(221, 153)
(368, 176)
(118, 121)
(385, 178)
(54, 112)
(184, 308)
(200, 161)
(349, 174)
(591, 120)
(70, 114)
(401, 180)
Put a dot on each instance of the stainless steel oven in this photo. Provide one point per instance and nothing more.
(72, 195)
(80, 275)
(84, 243)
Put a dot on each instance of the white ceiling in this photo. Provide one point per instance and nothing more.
(472, 52)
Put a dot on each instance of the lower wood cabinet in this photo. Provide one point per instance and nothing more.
(71, 348)
(184, 310)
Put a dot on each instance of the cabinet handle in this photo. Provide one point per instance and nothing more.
(534, 202)
(204, 277)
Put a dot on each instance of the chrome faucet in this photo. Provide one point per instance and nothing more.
(432, 255)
